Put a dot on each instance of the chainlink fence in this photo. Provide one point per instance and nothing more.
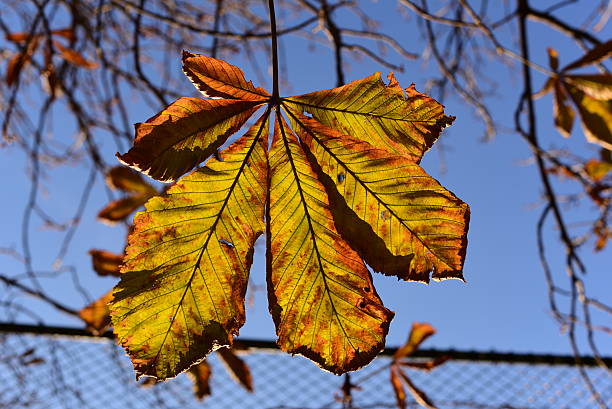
(44, 367)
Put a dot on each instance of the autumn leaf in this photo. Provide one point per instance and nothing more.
(339, 188)
(318, 285)
(188, 259)
(591, 94)
(105, 263)
(200, 375)
(237, 368)
(418, 333)
(97, 315)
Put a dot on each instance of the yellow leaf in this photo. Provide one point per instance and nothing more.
(595, 117)
(405, 123)
(407, 209)
(321, 295)
(186, 269)
(598, 86)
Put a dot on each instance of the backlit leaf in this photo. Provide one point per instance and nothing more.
(74, 57)
(118, 210)
(184, 279)
(418, 395)
(218, 79)
(419, 333)
(404, 123)
(341, 189)
(237, 367)
(128, 180)
(97, 314)
(321, 295)
(398, 388)
(407, 209)
(598, 86)
(200, 374)
(184, 134)
(106, 263)
(595, 116)
(562, 112)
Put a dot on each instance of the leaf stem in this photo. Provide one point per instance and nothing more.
(275, 94)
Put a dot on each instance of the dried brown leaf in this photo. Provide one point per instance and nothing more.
(237, 368)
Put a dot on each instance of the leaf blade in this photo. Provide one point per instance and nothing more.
(406, 123)
(331, 291)
(435, 239)
(184, 134)
(188, 259)
(217, 79)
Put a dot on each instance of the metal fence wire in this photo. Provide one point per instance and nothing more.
(71, 371)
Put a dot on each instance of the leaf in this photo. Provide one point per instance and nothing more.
(597, 170)
(427, 365)
(74, 57)
(183, 283)
(218, 79)
(419, 333)
(200, 374)
(380, 114)
(97, 315)
(184, 134)
(406, 208)
(120, 177)
(67, 33)
(418, 395)
(321, 295)
(598, 86)
(398, 388)
(553, 59)
(118, 210)
(595, 55)
(237, 368)
(106, 263)
(562, 112)
(595, 117)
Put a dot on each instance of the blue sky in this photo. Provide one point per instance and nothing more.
(503, 305)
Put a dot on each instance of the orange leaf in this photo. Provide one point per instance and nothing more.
(184, 134)
(218, 79)
(419, 333)
(18, 37)
(398, 388)
(427, 365)
(120, 209)
(128, 180)
(237, 367)
(106, 263)
(97, 314)
(67, 33)
(418, 395)
(200, 374)
(74, 57)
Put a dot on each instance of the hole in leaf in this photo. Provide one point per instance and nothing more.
(362, 304)
(227, 243)
(384, 215)
(341, 177)
(366, 289)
